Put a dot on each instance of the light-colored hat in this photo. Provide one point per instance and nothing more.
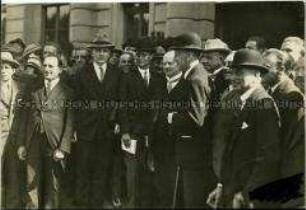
(8, 57)
(215, 45)
(31, 48)
(34, 62)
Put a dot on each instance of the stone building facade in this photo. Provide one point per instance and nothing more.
(79, 23)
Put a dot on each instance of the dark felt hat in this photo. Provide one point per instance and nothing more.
(101, 42)
(249, 58)
(187, 41)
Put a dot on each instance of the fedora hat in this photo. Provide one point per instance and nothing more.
(7, 57)
(249, 58)
(187, 41)
(101, 42)
(215, 45)
(30, 49)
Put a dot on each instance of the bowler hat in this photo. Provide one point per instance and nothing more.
(187, 41)
(249, 58)
(101, 42)
(215, 45)
(8, 57)
(30, 49)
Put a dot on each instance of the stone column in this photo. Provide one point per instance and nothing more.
(33, 19)
(15, 25)
(82, 22)
(190, 17)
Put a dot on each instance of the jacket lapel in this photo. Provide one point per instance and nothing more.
(55, 93)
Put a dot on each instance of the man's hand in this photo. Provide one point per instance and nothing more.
(22, 153)
(58, 155)
(126, 139)
(214, 197)
(238, 201)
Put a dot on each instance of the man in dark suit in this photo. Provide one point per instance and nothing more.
(164, 143)
(190, 172)
(45, 138)
(290, 102)
(251, 158)
(138, 88)
(96, 93)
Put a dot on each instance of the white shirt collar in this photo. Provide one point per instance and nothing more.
(52, 83)
(142, 72)
(97, 69)
(97, 66)
(176, 77)
(192, 65)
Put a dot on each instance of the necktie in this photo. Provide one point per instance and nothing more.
(48, 88)
(102, 74)
(146, 77)
(169, 86)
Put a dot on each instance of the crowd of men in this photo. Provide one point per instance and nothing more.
(181, 124)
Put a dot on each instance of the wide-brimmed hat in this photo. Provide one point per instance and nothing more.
(34, 62)
(8, 57)
(215, 45)
(8, 47)
(101, 42)
(31, 48)
(249, 58)
(187, 41)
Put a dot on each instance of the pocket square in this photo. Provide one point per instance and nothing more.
(244, 126)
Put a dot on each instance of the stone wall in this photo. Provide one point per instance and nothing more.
(86, 20)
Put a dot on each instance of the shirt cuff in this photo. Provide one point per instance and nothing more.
(170, 117)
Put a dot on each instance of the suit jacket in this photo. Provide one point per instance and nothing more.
(137, 111)
(251, 158)
(96, 111)
(189, 99)
(7, 112)
(290, 102)
(53, 114)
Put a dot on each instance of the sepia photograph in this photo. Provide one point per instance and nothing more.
(152, 104)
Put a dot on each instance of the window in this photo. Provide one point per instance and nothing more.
(56, 25)
(137, 20)
(3, 23)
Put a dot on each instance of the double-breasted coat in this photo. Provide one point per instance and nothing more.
(251, 158)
